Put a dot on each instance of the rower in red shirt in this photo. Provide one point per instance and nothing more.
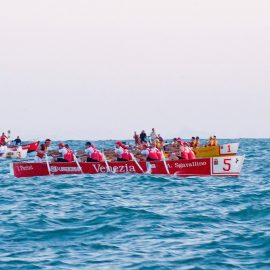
(122, 152)
(3, 138)
(93, 155)
(152, 153)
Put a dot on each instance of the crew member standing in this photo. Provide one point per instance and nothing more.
(4, 138)
(17, 141)
(42, 150)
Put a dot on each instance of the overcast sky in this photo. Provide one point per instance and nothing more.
(103, 69)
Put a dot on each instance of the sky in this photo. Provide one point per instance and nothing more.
(104, 69)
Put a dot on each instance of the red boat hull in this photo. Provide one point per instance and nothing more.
(229, 166)
(30, 147)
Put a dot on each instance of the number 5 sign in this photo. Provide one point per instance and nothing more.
(227, 165)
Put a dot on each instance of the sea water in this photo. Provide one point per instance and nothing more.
(126, 221)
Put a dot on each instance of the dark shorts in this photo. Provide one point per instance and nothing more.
(121, 159)
(150, 159)
(91, 160)
(61, 160)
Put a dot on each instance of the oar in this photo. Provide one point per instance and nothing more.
(77, 162)
(135, 160)
(48, 166)
(164, 161)
(106, 162)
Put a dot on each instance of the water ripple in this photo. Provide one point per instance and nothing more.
(138, 221)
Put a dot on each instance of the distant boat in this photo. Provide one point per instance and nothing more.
(229, 149)
(30, 147)
(18, 153)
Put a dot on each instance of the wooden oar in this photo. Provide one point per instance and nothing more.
(164, 161)
(135, 160)
(48, 165)
(106, 162)
(77, 162)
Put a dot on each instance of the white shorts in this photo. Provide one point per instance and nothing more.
(37, 159)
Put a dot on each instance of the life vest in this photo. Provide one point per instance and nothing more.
(41, 155)
(184, 152)
(3, 139)
(96, 155)
(154, 154)
(126, 155)
(69, 155)
(191, 155)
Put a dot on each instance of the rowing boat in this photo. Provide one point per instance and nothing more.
(216, 166)
(30, 147)
(229, 149)
(19, 153)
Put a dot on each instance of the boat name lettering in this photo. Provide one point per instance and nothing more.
(25, 167)
(64, 169)
(192, 164)
(117, 168)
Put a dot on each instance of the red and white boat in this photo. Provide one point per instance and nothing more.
(30, 147)
(19, 153)
(216, 166)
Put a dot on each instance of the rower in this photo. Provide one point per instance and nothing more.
(122, 152)
(66, 155)
(215, 141)
(42, 150)
(152, 154)
(197, 142)
(70, 153)
(4, 138)
(192, 142)
(93, 155)
(210, 141)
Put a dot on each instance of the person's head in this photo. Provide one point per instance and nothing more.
(185, 144)
(3, 133)
(61, 145)
(118, 144)
(153, 129)
(197, 138)
(18, 137)
(48, 142)
(192, 138)
(88, 144)
(174, 139)
(144, 145)
(152, 144)
(214, 137)
(67, 146)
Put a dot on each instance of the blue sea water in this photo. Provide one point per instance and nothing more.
(138, 221)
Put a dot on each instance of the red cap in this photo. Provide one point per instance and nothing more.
(185, 143)
(61, 145)
(144, 145)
